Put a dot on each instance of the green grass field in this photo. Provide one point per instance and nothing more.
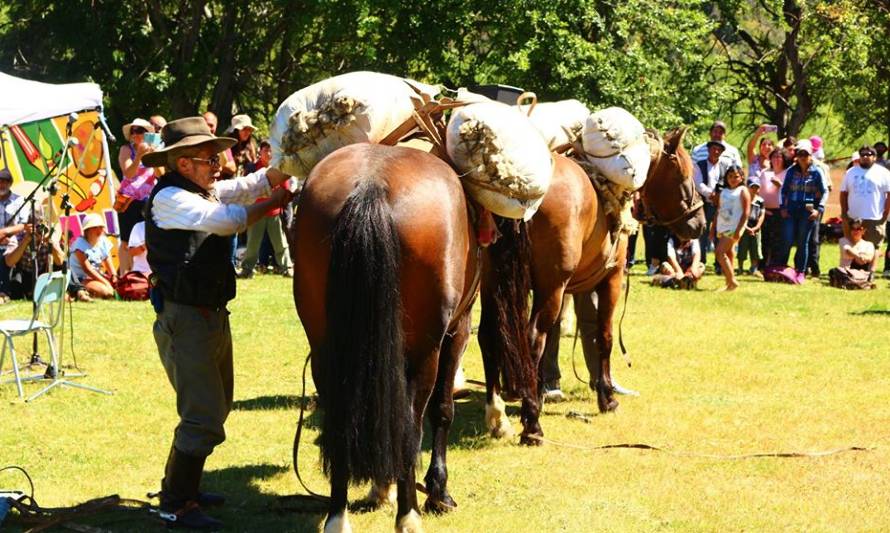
(766, 369)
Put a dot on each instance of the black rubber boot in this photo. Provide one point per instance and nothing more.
(180, 507)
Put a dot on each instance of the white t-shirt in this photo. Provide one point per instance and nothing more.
(866, 191)
(137, 238)
(730, 210)
(861, 247)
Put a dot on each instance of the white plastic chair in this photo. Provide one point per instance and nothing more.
(49, 299)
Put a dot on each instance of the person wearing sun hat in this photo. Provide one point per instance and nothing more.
(90, 255)
(190, 218)
(803, 201)
(245, 150)
(137, 181)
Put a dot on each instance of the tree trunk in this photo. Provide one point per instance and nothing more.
(223, 94)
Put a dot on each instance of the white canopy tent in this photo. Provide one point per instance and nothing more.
(23, 101)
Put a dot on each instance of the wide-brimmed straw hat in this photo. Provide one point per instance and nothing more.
(240, 122)
(138, 122)
(92, 220)
(183, 133)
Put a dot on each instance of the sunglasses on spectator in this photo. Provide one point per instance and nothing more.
(866, 154)
(136, 130)
(213, 161)
(857, 228)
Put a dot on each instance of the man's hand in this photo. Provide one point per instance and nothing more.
(814, 214)
(275, 176)
(281, 197)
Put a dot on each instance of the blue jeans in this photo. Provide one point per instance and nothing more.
(796, 231)
(704, 241)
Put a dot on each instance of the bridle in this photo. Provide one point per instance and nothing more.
(693, 201)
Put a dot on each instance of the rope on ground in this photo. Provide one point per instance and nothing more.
(676, 453)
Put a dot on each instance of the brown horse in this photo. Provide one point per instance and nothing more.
(566, 248)
(386, 269)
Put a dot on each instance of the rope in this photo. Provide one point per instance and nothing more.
(649, 447)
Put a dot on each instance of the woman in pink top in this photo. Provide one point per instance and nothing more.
(137, 181)
(771, 191)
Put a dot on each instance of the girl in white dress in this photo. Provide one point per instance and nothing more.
(733, 205)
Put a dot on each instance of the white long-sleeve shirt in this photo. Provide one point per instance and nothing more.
(706, 184)
(176, 208)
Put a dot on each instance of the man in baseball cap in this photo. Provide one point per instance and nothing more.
(190, 218)
(718, 133)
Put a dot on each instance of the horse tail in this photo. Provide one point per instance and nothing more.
(367, 430)
(504, 326)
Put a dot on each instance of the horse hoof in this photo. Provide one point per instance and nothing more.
(531, 439)
(496, 419)
(409, 523)
(608, 407)
(442, 505)
(338, 524)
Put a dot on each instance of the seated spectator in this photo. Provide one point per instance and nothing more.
(90, 254)
(749, 244)
(683, 267)
(138, 250)
(22, 263)
(857, 258)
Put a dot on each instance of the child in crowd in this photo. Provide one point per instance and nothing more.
(750, 241)
(733, 206)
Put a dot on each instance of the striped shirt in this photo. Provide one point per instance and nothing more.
(175, 208)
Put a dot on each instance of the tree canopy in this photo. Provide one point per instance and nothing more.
(669, 62)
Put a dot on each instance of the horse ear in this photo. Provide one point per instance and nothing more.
(674, 140)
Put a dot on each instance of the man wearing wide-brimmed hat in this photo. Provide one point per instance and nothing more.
(190, 218)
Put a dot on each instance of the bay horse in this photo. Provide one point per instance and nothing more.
(386, 271)
(566, 248)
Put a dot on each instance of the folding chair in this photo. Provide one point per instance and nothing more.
(49, 299)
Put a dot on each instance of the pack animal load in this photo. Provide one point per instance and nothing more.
(560, 123)
(503, 160)
(615, 144)
(350, 108)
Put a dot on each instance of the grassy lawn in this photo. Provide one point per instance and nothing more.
(768, 368)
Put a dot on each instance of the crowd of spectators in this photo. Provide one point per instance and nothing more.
(776, 205)
(27, 247)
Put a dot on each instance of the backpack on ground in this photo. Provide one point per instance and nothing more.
(850, 279)
(133, 286)
(781, 274)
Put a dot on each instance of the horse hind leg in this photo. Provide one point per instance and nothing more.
(496, 419)
(338, 519)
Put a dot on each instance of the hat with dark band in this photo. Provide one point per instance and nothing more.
(185, 133)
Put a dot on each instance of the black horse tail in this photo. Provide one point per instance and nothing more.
(504, 327)
(367, 430)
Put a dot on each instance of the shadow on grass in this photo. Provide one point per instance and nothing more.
(871, 311)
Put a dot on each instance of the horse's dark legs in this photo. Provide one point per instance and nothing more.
(495, 409)
(545, 312)
(595, 324)
(441, 414)
(337, 520)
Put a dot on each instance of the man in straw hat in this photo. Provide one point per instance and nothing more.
(190, 218)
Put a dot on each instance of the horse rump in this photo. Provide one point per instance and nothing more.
(367, 429)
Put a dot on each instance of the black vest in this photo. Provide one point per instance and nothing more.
(189, 267)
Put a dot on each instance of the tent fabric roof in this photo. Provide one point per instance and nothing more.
(26, 101)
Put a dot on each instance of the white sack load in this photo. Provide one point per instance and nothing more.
(346, 109)
(559, 122)
(503, 160)
(615, 144)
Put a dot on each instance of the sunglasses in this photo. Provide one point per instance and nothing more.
(857, 228)
(136, 130)
(213, 161)
(866, 154)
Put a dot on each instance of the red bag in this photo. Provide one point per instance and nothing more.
(133, 286)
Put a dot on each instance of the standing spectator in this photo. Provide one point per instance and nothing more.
(813, 266)
(802, 203)
(818, 148)
(90, 254)
(750, 242)
(707, 175)
(138, 249)
(158, 122)
(718, 133)
(226, 159)
(269, 225)
(759, 160)
(881, 150)
(865, 195)
(10, 226)
(788, 145)
(137, 182)
(771, 180)
(245, 150)
(733, 206)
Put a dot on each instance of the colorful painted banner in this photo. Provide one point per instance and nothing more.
(83, 172)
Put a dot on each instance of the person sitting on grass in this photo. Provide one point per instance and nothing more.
(750, 243)
(857, 260)
(683, 267)
(733, 206)
(90, 253)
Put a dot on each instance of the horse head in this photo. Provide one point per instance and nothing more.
(669, 196)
